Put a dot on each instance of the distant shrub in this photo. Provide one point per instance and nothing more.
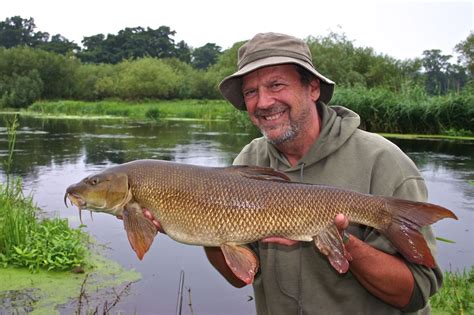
(20, 90)
(147, 78)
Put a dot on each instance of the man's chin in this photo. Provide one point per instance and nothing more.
(277, 138)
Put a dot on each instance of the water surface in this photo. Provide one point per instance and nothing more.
(52, 153)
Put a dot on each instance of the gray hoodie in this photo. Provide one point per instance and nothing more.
(300, 280)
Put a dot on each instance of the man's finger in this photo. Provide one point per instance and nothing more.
(341, 222)
(279, 240)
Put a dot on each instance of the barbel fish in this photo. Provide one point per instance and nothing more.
(228, 207)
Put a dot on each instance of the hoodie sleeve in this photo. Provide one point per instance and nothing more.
(427, 280)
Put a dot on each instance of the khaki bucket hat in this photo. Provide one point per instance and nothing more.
(269, 49)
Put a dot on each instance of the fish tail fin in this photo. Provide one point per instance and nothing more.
(403, 230)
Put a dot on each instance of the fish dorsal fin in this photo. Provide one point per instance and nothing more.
(259, 172)
(140, 230)
(329, 242)
(241, 260)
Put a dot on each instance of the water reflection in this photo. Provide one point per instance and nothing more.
(51, 154)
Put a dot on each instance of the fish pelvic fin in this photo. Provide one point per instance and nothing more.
(242, 261)
(403, 230)
(140, 230)
(329, 243)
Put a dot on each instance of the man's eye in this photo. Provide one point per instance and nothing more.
(277, 85)
(249, 93)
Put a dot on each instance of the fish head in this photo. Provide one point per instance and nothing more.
(104, 192)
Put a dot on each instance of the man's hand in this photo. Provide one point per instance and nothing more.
(340, 221)
(279, 240)
(147, 214)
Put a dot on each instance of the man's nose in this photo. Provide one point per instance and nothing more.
(265, 98)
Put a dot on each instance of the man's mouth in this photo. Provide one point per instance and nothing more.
(273, 117)
(271, 114)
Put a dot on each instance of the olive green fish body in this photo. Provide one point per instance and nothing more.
(212, 206)
(242, 204)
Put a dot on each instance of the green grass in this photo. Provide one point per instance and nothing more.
(33, 243)
(457, 294)
(187, 109)
(380, 113)
(27, 241)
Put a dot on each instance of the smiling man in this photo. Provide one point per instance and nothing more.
(286, 98)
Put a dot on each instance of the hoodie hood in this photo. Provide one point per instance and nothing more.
(338, 124)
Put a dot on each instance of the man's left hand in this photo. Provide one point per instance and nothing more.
(340, 221)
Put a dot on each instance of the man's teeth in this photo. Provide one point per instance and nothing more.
(273, 117)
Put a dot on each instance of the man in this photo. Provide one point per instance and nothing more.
(286, 98)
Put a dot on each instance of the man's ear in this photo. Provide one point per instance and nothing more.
(315, 89)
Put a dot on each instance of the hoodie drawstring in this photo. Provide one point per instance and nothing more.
(301, 172)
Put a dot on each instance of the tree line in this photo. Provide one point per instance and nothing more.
(144, 63)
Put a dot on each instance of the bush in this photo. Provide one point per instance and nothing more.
(56, 72)
(20, 90)
(147, 78)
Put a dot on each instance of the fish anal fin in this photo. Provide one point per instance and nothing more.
(241, 260)
(140, 230)
(259, 172)
(329, 243)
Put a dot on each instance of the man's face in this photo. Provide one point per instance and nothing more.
(278, 103)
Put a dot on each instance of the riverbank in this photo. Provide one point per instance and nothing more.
(207, 110)
(104, 282)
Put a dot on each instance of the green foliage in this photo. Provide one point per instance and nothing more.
(456, 296)
(466, 51)
(16, 31)
(28, 74)
(26, 241)
(132, 43)
(20, 90)
(410, 111)
(147, 78)
(205, 56)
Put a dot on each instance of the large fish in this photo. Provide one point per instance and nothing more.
(232, 206)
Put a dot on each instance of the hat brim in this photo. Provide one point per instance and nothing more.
(231, 86)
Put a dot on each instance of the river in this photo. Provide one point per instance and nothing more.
(51, 154)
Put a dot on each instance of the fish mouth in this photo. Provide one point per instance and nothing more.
(75, 200)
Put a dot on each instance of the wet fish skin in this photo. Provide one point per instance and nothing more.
(237, 205)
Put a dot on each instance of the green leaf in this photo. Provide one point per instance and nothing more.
(442, 239)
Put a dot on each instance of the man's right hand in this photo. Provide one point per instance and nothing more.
(147, 213)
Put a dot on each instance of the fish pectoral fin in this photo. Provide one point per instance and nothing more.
(242, 261)
(259, 172)
(140, 230)
(329, 243)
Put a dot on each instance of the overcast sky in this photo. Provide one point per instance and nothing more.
(401, 29)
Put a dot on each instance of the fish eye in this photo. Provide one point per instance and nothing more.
(94, 181)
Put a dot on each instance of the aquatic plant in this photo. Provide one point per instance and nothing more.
(457, 294)
(25, 239)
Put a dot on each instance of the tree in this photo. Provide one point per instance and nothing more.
(130, 43)
(466, 51)
(17, 31)
(60, 45)
(183, 52)
(436, 66)
(205, 56)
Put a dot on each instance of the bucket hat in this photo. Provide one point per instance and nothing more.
(269, 49)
